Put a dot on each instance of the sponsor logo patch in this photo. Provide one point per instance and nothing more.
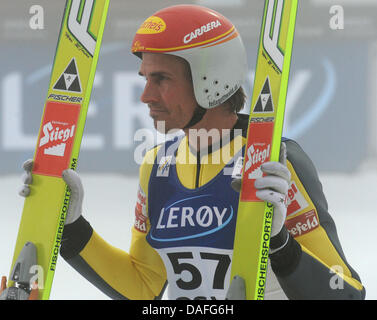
(141, 211)
(201, 30)
(164, 166)
(192, 217)
(56, 138)
(303, 223)
(69, 80)
(152, 25)
(296, 200)
(264, 103)
(257, 152)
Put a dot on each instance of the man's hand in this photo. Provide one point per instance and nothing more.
(273, 188)
(73, 181)
(27, 178)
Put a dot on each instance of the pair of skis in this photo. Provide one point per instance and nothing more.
(62, 128)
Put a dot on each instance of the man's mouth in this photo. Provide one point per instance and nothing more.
(155, 112)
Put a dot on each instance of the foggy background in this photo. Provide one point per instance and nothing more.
(331, 113)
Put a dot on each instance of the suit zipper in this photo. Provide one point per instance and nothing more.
(197, 170)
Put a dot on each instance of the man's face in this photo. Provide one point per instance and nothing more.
(168, 90)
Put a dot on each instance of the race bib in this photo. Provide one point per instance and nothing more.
(197, 273)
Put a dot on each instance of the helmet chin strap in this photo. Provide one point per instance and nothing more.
(198, 115)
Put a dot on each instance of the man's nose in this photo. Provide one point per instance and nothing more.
(150, 93)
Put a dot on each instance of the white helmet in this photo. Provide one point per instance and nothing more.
(208, 41)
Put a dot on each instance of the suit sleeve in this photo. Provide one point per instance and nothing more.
(312, 265)
(139, 274)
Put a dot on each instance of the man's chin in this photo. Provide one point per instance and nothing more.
(162, 127)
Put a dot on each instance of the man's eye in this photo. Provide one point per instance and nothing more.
(160, 78)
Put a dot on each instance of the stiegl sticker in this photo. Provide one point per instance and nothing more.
(56, 138)
(53, 132)
(258, 151)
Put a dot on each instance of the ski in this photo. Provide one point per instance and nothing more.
(60, 136)
(266, 119)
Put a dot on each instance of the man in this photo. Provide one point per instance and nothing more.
(194, 62)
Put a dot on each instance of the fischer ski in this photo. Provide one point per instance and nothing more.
(60, 136)
(266, 119)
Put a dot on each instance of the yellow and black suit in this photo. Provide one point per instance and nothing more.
(184, 227)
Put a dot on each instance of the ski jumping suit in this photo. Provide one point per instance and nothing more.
(184, 229)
